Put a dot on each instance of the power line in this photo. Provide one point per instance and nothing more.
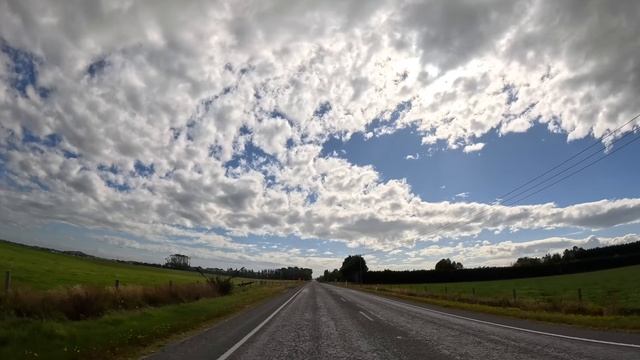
(596, 142)
(580, 169)
(443, 227)
(526, 190)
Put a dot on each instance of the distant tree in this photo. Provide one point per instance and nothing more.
(288, 273)
(331, 276)
(527, 261)
(573, 260)
(551, 259)
(573, 253)
(354, 268)
(177, 261)
(448, 265)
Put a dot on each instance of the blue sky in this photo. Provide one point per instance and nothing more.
(505, 162)
(299, 135)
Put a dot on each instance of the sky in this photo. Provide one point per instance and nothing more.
(276, 133)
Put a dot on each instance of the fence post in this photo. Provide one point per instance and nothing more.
(117, 284)
(445, 290)
(580, 295)
(473, 291)
(170, 285)
(7, 282)
(514, 295)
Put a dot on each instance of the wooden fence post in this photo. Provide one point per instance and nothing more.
(473, 291)
(445, 290)
(514, 295)
(117, 284)
(580, 295)
(170, 285)
(7, 282)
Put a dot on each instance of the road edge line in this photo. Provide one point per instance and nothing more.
(255, 330)
(365, 315)
(503, 325)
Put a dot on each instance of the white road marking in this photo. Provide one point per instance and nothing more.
(250, 334)
(365, 315)
(376, 315)
(343, 300)
(402, 304)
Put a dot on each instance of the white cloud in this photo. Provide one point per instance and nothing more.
(412, 157)
(192, 88)
(473, 147)
(462, 195)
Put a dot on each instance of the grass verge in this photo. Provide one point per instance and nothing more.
(119, 334)
(613, 322)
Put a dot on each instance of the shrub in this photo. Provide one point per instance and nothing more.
(223, 286)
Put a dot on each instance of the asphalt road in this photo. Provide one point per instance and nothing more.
(322, 321)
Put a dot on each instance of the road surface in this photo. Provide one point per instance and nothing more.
(320, 321)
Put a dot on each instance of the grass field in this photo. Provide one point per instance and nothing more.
(118, 333)
(122, 334)
(610, 298)
(42, 270)
(619, 287)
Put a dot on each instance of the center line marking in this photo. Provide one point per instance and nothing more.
(365, 315)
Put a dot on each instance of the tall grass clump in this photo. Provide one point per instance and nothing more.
(84, 302)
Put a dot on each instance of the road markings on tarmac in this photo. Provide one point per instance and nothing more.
(365, 315)
(507, 326)
(343, 300)
(250, 334)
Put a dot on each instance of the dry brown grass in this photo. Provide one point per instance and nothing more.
(83, 302)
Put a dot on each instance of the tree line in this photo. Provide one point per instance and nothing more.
(572, 260)
(181, 262)
(288, 273)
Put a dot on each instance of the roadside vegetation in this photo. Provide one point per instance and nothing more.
(605, 292)
(122, 334)
(608, 299)
(82, 302)
(70, 306)
(603, 299)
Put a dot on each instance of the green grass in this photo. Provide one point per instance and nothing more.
(120, 334)
(615, 287)
(42, 270)
(610, 298)
(610, 322)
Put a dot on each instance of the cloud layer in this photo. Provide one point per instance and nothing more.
(154, 117)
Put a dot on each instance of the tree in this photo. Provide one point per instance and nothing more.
(177, 261)
(573, 253)
(448, 265)
(527, 261)
(354, 268)
(334, 275)
(549, 259)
